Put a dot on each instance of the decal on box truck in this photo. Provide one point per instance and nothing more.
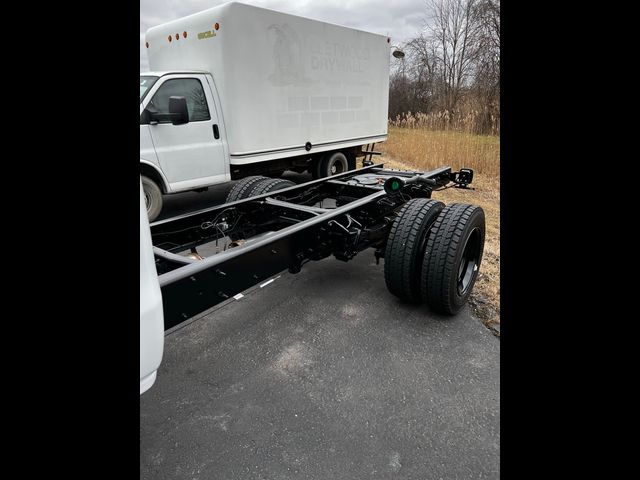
(207, 34)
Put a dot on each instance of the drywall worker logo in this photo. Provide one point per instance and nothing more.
(207, 34)
(288, 67)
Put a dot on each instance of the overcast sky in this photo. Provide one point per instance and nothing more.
(400, 19)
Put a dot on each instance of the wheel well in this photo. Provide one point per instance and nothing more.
(152, 173)
(350, 153)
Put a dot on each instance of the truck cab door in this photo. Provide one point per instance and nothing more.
(193, 154)
(151, 314)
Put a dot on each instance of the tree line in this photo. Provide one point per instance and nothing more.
(450, 75)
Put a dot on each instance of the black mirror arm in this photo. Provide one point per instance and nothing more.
(151, 114)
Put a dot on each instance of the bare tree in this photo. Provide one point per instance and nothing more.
(424, 71)
(453, 65)
(455, 33)
(487, 13)
(487, 74)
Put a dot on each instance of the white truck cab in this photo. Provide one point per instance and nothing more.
(180, 154)
(239, 90)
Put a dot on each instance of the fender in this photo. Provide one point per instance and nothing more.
(165, 183)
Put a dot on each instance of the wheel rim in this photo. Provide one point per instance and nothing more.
(468, 268)
(147, 200)
(337, 166)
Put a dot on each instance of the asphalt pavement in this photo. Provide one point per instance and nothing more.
(324, 375)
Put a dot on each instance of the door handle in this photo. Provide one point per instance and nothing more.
(216, 132)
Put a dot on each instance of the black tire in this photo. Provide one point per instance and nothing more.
(243, 187)
(405, 247)
(152, 197)
(452, 258)
(334, 163)
(270, 185)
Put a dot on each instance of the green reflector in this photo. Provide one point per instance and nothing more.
(395, 185)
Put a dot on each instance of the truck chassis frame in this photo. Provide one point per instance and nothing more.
(264, 235)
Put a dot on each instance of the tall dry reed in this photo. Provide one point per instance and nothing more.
(472, 121)
(429, 149)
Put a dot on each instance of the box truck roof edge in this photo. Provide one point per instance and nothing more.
(219, 8)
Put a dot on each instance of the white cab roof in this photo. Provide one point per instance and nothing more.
(160, 74)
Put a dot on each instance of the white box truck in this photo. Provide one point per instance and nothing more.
(238, 90)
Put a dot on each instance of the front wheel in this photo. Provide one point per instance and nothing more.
(152, 197)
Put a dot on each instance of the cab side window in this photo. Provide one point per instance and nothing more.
(189, 88)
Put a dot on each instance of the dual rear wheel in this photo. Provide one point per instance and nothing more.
(433, 253)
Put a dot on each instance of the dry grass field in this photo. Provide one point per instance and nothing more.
(425, 149)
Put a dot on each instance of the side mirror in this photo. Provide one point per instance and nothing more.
(178, 110)
(145, 117)
(178, 113)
